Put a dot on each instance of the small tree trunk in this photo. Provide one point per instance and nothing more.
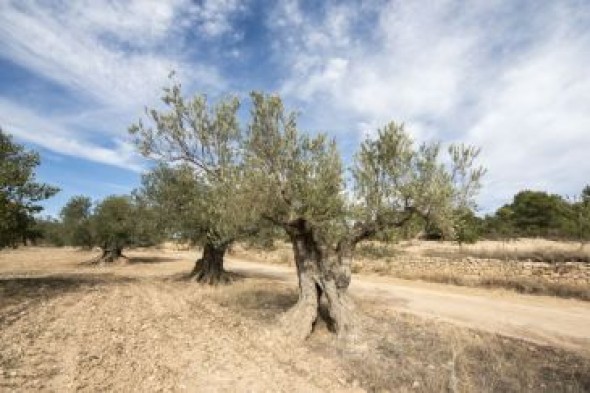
(109, 255)
(317, 276)
(209, 268)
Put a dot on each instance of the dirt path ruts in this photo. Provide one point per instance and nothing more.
(540, 319)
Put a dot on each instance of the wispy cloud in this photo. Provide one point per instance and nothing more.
(215, 16)
(114, 54)
(118, 54)
(28, 126)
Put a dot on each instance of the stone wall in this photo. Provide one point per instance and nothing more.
(468, 267)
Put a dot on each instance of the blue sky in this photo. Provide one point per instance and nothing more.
(512, 77)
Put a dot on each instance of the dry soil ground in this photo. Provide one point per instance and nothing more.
(141, 327)
(541, 319)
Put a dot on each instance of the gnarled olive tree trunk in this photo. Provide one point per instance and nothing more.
(209, 268)
(319, 274)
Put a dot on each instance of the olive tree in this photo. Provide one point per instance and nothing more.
(297, 183)
(19, 191)
(75, 218)
(191, 210)
(114, 224)
(198, 180)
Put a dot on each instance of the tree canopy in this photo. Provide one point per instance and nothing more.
(198, 182)
(394, 181)
(291, 175)
(19, 191)
(75, 218)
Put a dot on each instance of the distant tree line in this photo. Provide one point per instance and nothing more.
(540, 214)
(159, 210)
(531, 214)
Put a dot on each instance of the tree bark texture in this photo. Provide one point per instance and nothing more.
(209, 268)
(319, 275)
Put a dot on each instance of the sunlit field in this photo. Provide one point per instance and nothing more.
(140, 326)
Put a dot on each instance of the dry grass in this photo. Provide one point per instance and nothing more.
(101, 309)
(281, 254)
(376, 250)
(442, 357)
(529, 286)
(382, 258)
(534, 250)
(405, 353)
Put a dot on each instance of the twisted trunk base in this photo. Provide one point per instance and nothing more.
(319, 277)
(341, 318)
(209, 268)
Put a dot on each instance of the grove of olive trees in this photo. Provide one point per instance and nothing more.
(217, 181)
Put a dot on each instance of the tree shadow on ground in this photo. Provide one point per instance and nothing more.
(188, 276)
(265, 301)
(148, 260)
(257, 302)
(19, 293)
(259, 274)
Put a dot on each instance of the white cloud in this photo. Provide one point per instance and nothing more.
(411, 64)
(535, 127)
(143, 22)
(117, 54)
(215, 16)
(510, 77)
(50, 134)
(103, 50)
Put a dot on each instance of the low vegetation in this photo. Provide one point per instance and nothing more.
(526, 250)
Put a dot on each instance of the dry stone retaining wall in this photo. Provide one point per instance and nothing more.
(406, 266)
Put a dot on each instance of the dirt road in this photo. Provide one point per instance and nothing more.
(541, 319)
